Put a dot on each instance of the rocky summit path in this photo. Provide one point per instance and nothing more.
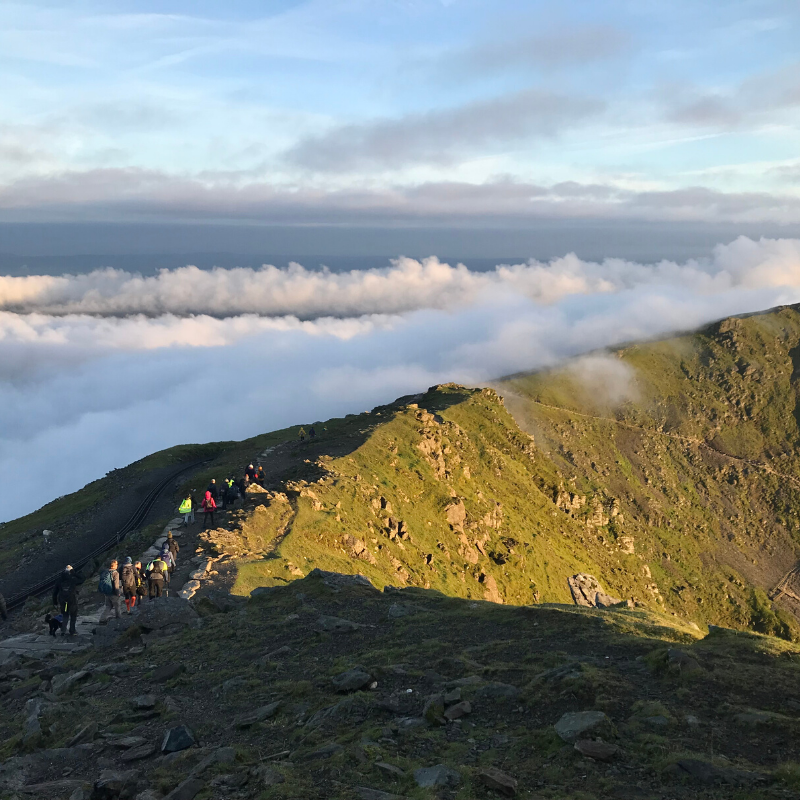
(40, 645)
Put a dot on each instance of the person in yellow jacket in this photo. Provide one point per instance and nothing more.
(187, 509)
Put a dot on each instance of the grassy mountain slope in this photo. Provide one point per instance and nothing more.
(668, 470)
(702, 456)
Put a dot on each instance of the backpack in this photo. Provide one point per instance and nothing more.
(157, 568)
(106, 585)
(128, 578)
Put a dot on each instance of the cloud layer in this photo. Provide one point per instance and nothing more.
(131, 195)
(100, 369)
(406, 286)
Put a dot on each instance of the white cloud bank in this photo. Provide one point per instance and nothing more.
(406, 286)
(97, 370)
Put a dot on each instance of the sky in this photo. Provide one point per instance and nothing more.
(621, 169)
(400, 112)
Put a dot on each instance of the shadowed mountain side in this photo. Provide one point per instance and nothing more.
(328, 688)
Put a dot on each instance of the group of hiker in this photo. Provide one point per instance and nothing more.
(130, 582)
(220, 496)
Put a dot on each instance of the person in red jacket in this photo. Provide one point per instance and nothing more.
(208, 505)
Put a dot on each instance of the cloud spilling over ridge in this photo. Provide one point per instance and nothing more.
(105, 368)
(407, 285)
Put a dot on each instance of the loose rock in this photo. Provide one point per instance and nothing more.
(598, 750)
(440, 775)
(498, 781)
(336, 625)
(167, 672)
(573, 726)
(458, 710)
(259, 715)
(352, 680)
(186, 790)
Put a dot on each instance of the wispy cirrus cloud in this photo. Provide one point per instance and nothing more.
(547, 50)
(751, 102)
(443, 136)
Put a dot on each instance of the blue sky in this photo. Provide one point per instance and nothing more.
(400, 110)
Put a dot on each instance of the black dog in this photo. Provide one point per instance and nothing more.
(54, 622)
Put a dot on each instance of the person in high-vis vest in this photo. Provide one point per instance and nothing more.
(187, 510)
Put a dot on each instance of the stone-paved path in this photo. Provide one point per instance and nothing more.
(42, 644)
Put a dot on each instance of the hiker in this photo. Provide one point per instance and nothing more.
(261, 476)
(167, 558)
(129, 581)
(208, 505)
(250, 472)
(187, 509)
(174, 547)
(157, 576)
(214, 489)
(141, 582)
(109, 586)
(241, 485)
(312, 433)
(231, 494)
(65, 598)
(3, 609)
(302, 434)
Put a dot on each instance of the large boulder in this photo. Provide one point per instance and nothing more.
(179, 738)
(587, 591)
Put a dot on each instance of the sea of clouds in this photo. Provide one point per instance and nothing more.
(100, 369)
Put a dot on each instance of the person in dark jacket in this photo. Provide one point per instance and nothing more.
(250, 472)
(260, 476)
(214, 489)
(128, 578)
(65, 598)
